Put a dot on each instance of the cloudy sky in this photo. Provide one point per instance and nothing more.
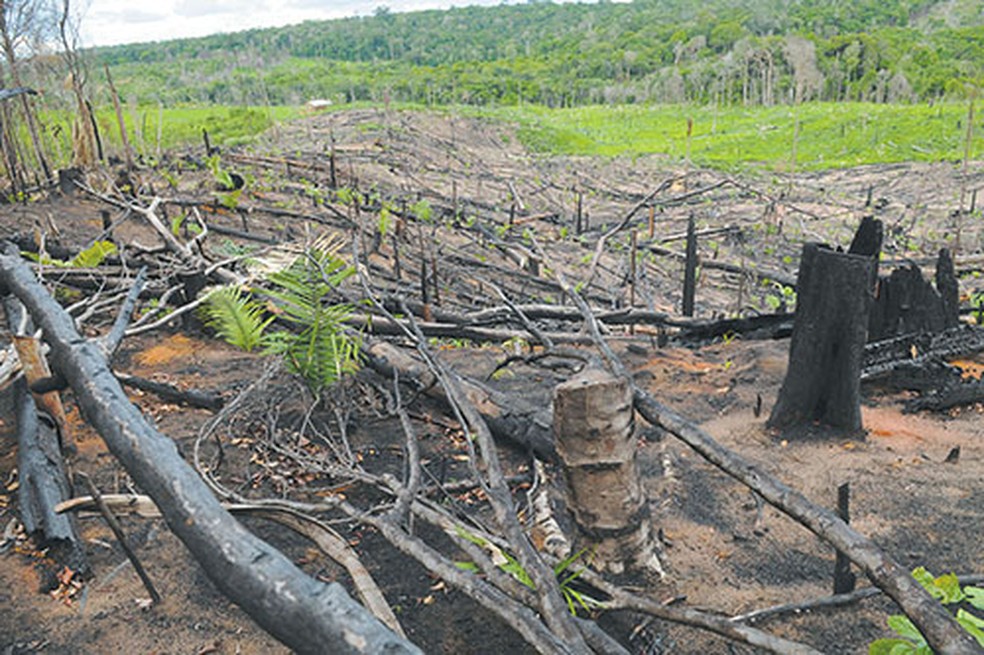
(110, 22)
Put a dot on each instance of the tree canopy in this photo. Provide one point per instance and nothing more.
(728, 51)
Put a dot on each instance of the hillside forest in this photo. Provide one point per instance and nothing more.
(732, 52)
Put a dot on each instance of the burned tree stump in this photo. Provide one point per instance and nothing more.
(834, 295)
(907, 303)
(594, 429)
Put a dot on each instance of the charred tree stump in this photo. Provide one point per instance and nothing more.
(595, 434)
(948, 288)
(907, 303)
(823, 381)
(868, 238)
(844, 579)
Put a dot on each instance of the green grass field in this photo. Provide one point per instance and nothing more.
(153, 129)
(830, 135)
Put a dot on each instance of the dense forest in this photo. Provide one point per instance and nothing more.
(741, 52)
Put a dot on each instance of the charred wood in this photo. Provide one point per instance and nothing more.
(905, 352)
(956, 391)
(170, 393)
(907, 303)
(825, 355)
(43, 484)
(303, 613)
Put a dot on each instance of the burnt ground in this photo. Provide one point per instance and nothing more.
(724, 550)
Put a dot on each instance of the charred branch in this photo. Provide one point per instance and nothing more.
(303, 613)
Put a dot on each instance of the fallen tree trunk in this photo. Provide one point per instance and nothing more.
(883, 357)
(303, 613)
(447, 324)
(508, 418)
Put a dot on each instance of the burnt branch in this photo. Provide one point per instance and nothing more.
(301, 612)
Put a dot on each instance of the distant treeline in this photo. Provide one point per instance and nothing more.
(753, 52)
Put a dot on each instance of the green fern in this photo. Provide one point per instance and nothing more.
(321, 352)
(318, 349)
(236, 318)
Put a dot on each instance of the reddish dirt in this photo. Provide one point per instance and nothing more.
(724, 549)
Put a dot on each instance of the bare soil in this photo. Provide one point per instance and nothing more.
(724, 549)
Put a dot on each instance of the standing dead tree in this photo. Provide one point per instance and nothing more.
(86, 148)
(22, 21)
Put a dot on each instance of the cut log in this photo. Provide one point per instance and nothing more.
(595, 435)
(303, 613)
(834, 295)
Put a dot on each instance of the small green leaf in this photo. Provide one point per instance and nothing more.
(926, 579)
(950, 588)
(468, 536)
(176, 222)
(975, 596)
(972, 624)
(905, 628)
(467, 566)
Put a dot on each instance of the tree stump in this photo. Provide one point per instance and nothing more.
(907, 303)
(834, 295)
(594, 429)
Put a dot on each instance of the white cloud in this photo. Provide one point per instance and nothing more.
(111, 22)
